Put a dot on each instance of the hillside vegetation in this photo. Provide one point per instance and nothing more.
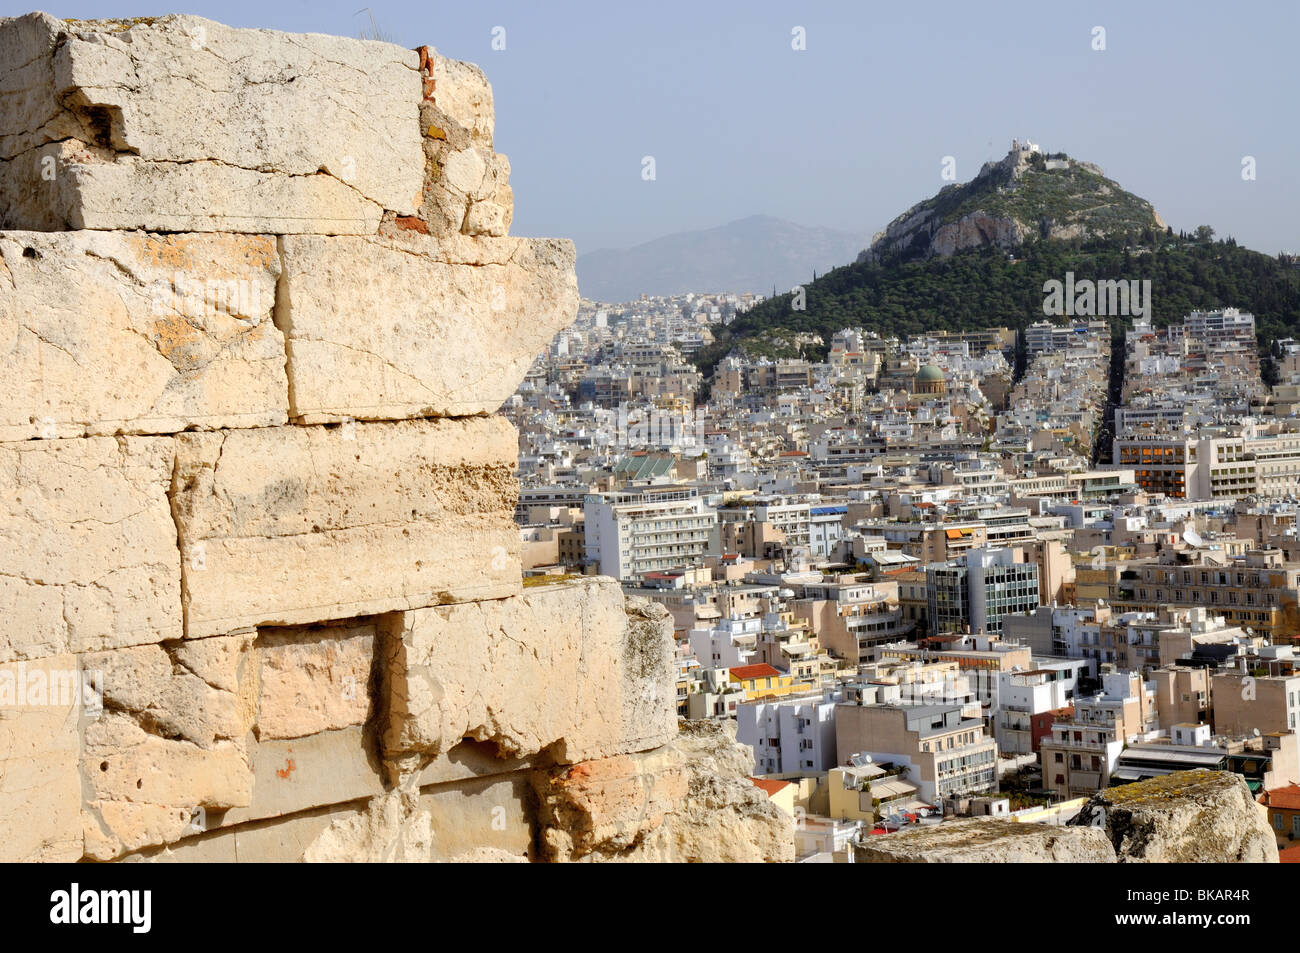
(987, 287)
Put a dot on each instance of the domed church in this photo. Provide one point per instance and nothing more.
(929, 379)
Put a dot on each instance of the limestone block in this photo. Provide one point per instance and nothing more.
(492, 813)
(180, 123)
(144, 789)
(1186, 817)
(170, 746)
(284, 526)
(297, 774)
(688, 802)
(104, 333)
(462, 92)
(466, 184)
(567, 668)
(987, 841)
(390, 328)
(314, 679)
(391, 829)
(40, 785)
(177, 690)
(609, 805)
(88, 555)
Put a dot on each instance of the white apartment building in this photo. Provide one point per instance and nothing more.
(1043, 336)
(1083, 751)
(631, 533)
(1217, 328)
(730, 643)
(1023, 697)
(789, 734)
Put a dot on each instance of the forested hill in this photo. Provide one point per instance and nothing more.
(988, 287)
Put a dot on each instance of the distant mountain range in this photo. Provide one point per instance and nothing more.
(752, 254)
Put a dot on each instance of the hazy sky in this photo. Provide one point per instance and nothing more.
(850, 131)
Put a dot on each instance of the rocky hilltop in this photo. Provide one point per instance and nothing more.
(1025, 195)
(260, 585)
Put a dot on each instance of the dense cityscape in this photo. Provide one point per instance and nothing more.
(922, 584)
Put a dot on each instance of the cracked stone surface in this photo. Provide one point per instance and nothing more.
(88, 553)
(294, 525)
(571, 667)
(104, 333)
(143, 788)
(462, 92)
(171, 740)
(690, 801)
(466, 184)
(389, 328)
(178, 690)
(987, 840)
(182, 124)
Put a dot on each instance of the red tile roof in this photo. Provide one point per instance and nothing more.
(770, 786)
(1287, 798)
(1289, 855)
(746, 672)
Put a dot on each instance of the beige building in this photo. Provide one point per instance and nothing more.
(1244, 703)
(1080, 754)
(1259, 592)
(849, 619)
(1182, 696)
(944, 752)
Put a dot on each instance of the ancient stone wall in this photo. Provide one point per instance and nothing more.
(260, 588)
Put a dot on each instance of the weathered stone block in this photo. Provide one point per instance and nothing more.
(88, 555)
(389, 328)
(293, 525)
(104, 333)
(186, 691)
(297, 774)
(987, 841)
(182, 124)
(493, 813)
(40, 786)
(608, 806)
(567, 667)
(168, 753)
(143, 789)
(466, 184)
(1187, 817)
(314, 679)
(688, 802)
(462, 92)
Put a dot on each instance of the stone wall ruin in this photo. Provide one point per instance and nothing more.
(260, 587)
